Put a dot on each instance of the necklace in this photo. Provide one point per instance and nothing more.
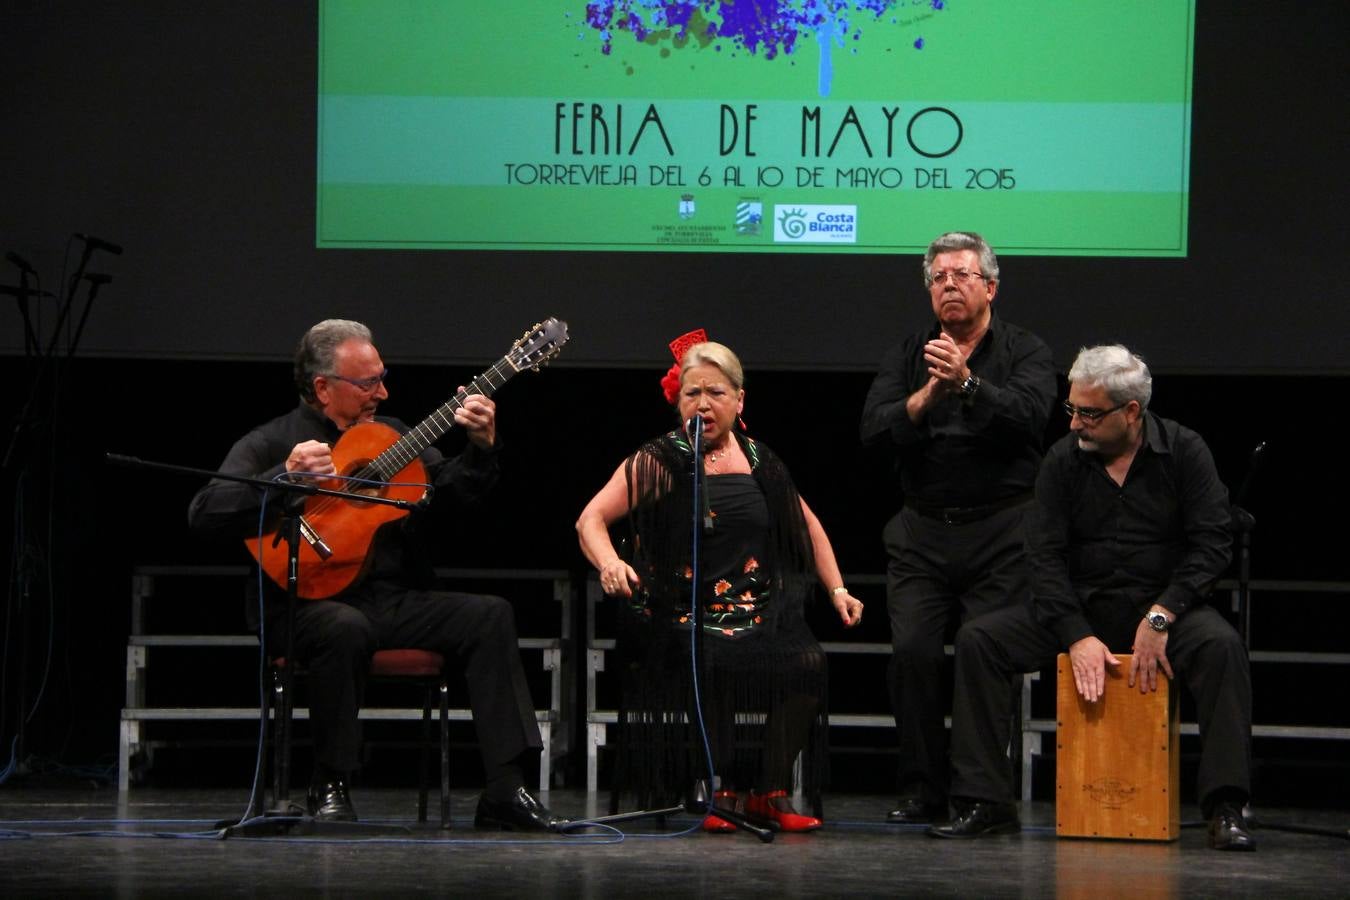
(713, 456)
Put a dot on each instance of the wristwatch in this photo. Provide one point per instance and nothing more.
(970, 385)
(1157, 621)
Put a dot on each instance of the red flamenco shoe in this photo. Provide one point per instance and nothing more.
(775, 808)
(715, 824)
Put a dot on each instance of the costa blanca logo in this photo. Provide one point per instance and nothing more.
(815, 224)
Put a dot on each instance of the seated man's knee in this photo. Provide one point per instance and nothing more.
(975, 639)
(498, 609)
(496, 618)
(349, 630)
(1223, 645)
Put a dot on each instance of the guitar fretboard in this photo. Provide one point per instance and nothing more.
(410, 446)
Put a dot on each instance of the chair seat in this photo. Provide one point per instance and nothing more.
(397, 663)
(406, 663)
(402, 663)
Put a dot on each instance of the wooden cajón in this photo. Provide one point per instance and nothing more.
(1117, 760)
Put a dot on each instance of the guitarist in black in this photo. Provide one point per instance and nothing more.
(391, 603)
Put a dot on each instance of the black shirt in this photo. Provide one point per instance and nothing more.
(1161, 537)
(228, 509)
(966, 452)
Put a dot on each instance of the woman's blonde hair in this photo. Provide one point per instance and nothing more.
(714, 354)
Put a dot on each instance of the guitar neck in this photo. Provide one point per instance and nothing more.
(429, 430)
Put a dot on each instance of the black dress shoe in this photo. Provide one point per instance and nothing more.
(977, 819)
(520, 813)
(913, 811)
(1228, 830)
(329, 802)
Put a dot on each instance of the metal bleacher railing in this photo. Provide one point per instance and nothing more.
(1027, 746)
(136, 746)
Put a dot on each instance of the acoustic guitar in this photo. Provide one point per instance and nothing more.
(336, 533)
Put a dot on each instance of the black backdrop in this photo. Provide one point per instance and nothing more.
(185, 132)
(565, 431)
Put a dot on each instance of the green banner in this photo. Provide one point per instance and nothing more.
(1053, 127)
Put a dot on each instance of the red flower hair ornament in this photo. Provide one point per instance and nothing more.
(670, 382)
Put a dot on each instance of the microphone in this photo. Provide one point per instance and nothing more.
(693, 427)
(20, 262)
(99, 244)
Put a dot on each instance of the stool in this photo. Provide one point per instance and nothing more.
(1117, 761)
(421, 667)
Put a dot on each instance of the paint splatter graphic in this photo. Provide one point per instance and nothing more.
(764, 28)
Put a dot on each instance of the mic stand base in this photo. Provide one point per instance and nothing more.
(295, 822)
(694, 809)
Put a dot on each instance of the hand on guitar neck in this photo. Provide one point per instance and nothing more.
(478, 418)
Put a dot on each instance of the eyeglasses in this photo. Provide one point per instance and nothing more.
(958, 276)
(366, 385)
(1088, 414)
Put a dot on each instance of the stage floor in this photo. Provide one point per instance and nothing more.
(71, 841)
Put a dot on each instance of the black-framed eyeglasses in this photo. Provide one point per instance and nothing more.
(958, 276)
(1089, 414)
(367, 385)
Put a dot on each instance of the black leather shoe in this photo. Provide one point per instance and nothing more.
(913, 811)
(978, 819)
(328, 801)
(521, 813)
(1228, 830)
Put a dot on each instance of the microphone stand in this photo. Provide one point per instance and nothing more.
(21, 295)
(701, 804)
(96, 280)
(703, 522)
(284, 817)
(39, 410)
(1244, 523)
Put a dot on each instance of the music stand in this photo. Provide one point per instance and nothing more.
(284, 818)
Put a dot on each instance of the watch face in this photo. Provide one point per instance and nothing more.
(1157, 621)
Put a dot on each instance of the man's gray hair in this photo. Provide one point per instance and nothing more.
(1122, 374)
(961, 240)
(316, 352)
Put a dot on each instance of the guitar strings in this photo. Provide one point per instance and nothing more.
(378, 471)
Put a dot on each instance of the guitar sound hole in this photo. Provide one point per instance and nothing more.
(357, 469)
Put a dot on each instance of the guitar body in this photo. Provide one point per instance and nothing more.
(346, 527)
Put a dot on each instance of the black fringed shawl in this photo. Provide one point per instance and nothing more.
(775, 665)
(660, 499)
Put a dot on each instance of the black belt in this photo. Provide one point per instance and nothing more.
(961, 515)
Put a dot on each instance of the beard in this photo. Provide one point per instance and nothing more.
(1088, 445)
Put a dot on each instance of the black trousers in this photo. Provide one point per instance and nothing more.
(335, 640)
(1206, 655)
(937, 572)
